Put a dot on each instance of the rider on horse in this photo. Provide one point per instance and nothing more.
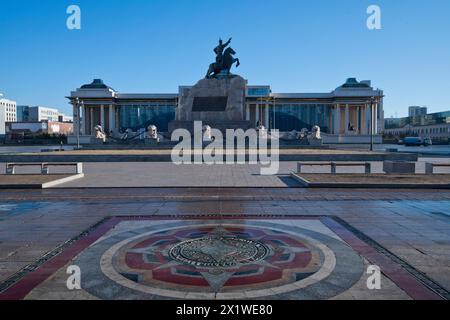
(219, 51)
(224, 60)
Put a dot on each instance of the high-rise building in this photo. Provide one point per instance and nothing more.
(22, 113)
(7, 112)
(39, 114)
(416, 111)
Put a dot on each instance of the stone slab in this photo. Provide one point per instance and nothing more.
(32, 181)
(164, 156)
(379, 181)
(394, 167)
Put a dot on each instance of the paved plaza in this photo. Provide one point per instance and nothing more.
(166, 174)
(213, 243)
(156, 230)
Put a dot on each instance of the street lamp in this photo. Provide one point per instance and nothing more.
(77, 114)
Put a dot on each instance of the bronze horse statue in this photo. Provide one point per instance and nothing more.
(228, 60)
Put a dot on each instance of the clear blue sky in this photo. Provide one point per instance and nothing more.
(140, 46)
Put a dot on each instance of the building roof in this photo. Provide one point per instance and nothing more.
(302, 95)
(96, 84)
(353, 83)
(147, 96)
(351, 89)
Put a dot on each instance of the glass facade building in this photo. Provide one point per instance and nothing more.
(137, 116)
(288, 117)
(343, 111)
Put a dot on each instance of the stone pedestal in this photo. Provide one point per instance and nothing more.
(399, 167)
(315, 142)
(151, 141)
(218, 103)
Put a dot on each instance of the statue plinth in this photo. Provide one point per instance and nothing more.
(217, 102)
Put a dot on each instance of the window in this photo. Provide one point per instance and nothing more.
(136, 117)
(258, 92)
(288, 117)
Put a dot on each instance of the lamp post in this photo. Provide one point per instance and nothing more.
(77, 108)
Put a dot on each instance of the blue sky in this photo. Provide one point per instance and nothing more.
(141, 46)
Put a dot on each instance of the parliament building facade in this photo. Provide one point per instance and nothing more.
(344, 113)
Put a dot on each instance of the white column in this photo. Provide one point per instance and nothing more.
(247, 112)
(266, 116)
(91, 121)
(375, 118)
(347, 118)
(367, 119)
(333, 120)
(257, 114)
(102, 116)
(337, 120)
(381, 119)
(330, 120)
(363, 119)
(116, 117)
(112, 118)
(357, 119)
(83, 123)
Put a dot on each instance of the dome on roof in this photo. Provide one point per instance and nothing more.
(353, 83)
(96, 84)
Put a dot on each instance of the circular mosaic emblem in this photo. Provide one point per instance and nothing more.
(200, 260)
(218, 252)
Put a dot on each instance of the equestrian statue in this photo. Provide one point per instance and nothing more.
(224, 60)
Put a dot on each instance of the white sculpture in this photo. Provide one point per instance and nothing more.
(207, 135)
(315, 138)
(99, 134)
(262, 131)
(316, 133)
(152, 133)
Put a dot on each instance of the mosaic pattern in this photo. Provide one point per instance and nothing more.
(232, 260)
(219, 249)
(151, 258)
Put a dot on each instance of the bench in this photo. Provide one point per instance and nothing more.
(429, 167)
(367, 166)
(10, 167)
